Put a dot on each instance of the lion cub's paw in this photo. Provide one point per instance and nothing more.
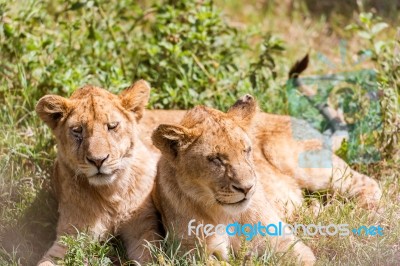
(306, 256)
(309, 261)
(214, 262)
(369, 195)
(46, 263)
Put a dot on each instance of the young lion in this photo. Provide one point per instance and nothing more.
(103, 174)
(217, 169)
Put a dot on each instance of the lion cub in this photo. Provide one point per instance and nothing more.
(103, 174)
(206, 175)
(245, 167)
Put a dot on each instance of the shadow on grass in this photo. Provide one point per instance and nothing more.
(34, 232)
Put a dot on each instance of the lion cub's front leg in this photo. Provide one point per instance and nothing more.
(57, 250)
(263, 211)
(144, 226)
(213, 245)
(72, 220)
(218, 246)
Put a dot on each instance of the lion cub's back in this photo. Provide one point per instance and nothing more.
(152, 119)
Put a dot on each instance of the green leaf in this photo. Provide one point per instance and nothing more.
(366, 18)
(8, 30)
(77, 5)
(379, 27)
(352, 27)
(364, 35)
(378, 46)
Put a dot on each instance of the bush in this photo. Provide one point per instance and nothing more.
(386, 56)
(190, 55)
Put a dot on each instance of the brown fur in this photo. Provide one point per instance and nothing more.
(217, 169)
(103, 174)
(121, 204)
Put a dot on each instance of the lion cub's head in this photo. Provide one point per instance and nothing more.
(210, 154)
(95, 129)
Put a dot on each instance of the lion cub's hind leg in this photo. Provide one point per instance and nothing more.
(341, 178)
(315, 167)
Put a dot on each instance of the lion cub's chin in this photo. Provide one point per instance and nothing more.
(101, 179)
(236, 208)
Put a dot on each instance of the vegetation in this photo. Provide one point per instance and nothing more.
(199, 52)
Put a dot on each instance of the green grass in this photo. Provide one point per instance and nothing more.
(192, 54)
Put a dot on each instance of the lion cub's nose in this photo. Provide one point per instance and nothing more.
(98, 162)
(243, 189)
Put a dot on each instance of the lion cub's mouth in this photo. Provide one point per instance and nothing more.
(233, 203)
(100, 175)
(102, 178)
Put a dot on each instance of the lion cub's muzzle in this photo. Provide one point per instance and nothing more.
(245, 189)
(98, 165)
(100, 169)
(97, 161)
(236, 193)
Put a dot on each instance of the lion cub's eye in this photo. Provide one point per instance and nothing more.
(215, 159)
(248, 150)
(77, 131)
(112, 125)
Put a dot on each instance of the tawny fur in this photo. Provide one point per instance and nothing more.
(123, 206)
(189, 186)
(274, 144)
(117, 202)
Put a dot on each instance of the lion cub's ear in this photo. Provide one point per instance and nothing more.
(243, 110)
(52, 108)
(170, 139)
(136, 97)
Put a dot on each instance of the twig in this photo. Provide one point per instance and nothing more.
(196, 59)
